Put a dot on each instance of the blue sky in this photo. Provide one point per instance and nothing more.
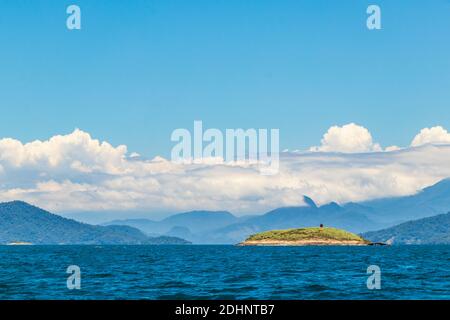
(140, 69)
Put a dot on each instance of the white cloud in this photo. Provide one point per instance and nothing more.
(76, 150)
(75, 172)
(392, 148)
(350, 138)
(434, 135)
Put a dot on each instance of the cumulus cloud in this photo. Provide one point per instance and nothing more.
(76, 150)
(76, 172)
(434, 135)
(350, 138)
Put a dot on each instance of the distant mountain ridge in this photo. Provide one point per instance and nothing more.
(22, 222)
(330, 214)
(223, 227)
(189, 225)
(430, 201)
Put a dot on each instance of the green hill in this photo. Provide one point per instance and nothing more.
(21, 222)
(431, 230)
(306, 236)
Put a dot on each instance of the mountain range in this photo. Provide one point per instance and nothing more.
(22, 222)
(223, 227)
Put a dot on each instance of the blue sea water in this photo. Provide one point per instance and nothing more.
(224, 272)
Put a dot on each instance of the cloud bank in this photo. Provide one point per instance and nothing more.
(76, 172)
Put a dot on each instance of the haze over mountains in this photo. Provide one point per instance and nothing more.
(20, 221)
(223, 227)
(430, 201)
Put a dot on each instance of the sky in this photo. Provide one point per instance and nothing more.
(137, 70)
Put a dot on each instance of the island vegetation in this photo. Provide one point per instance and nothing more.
(305, 236)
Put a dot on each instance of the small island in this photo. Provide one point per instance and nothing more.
(19, 243)
(314, 236)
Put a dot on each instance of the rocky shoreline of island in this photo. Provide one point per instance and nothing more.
(311, 236)
(309, 242)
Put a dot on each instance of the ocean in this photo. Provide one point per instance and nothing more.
(224, 272)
